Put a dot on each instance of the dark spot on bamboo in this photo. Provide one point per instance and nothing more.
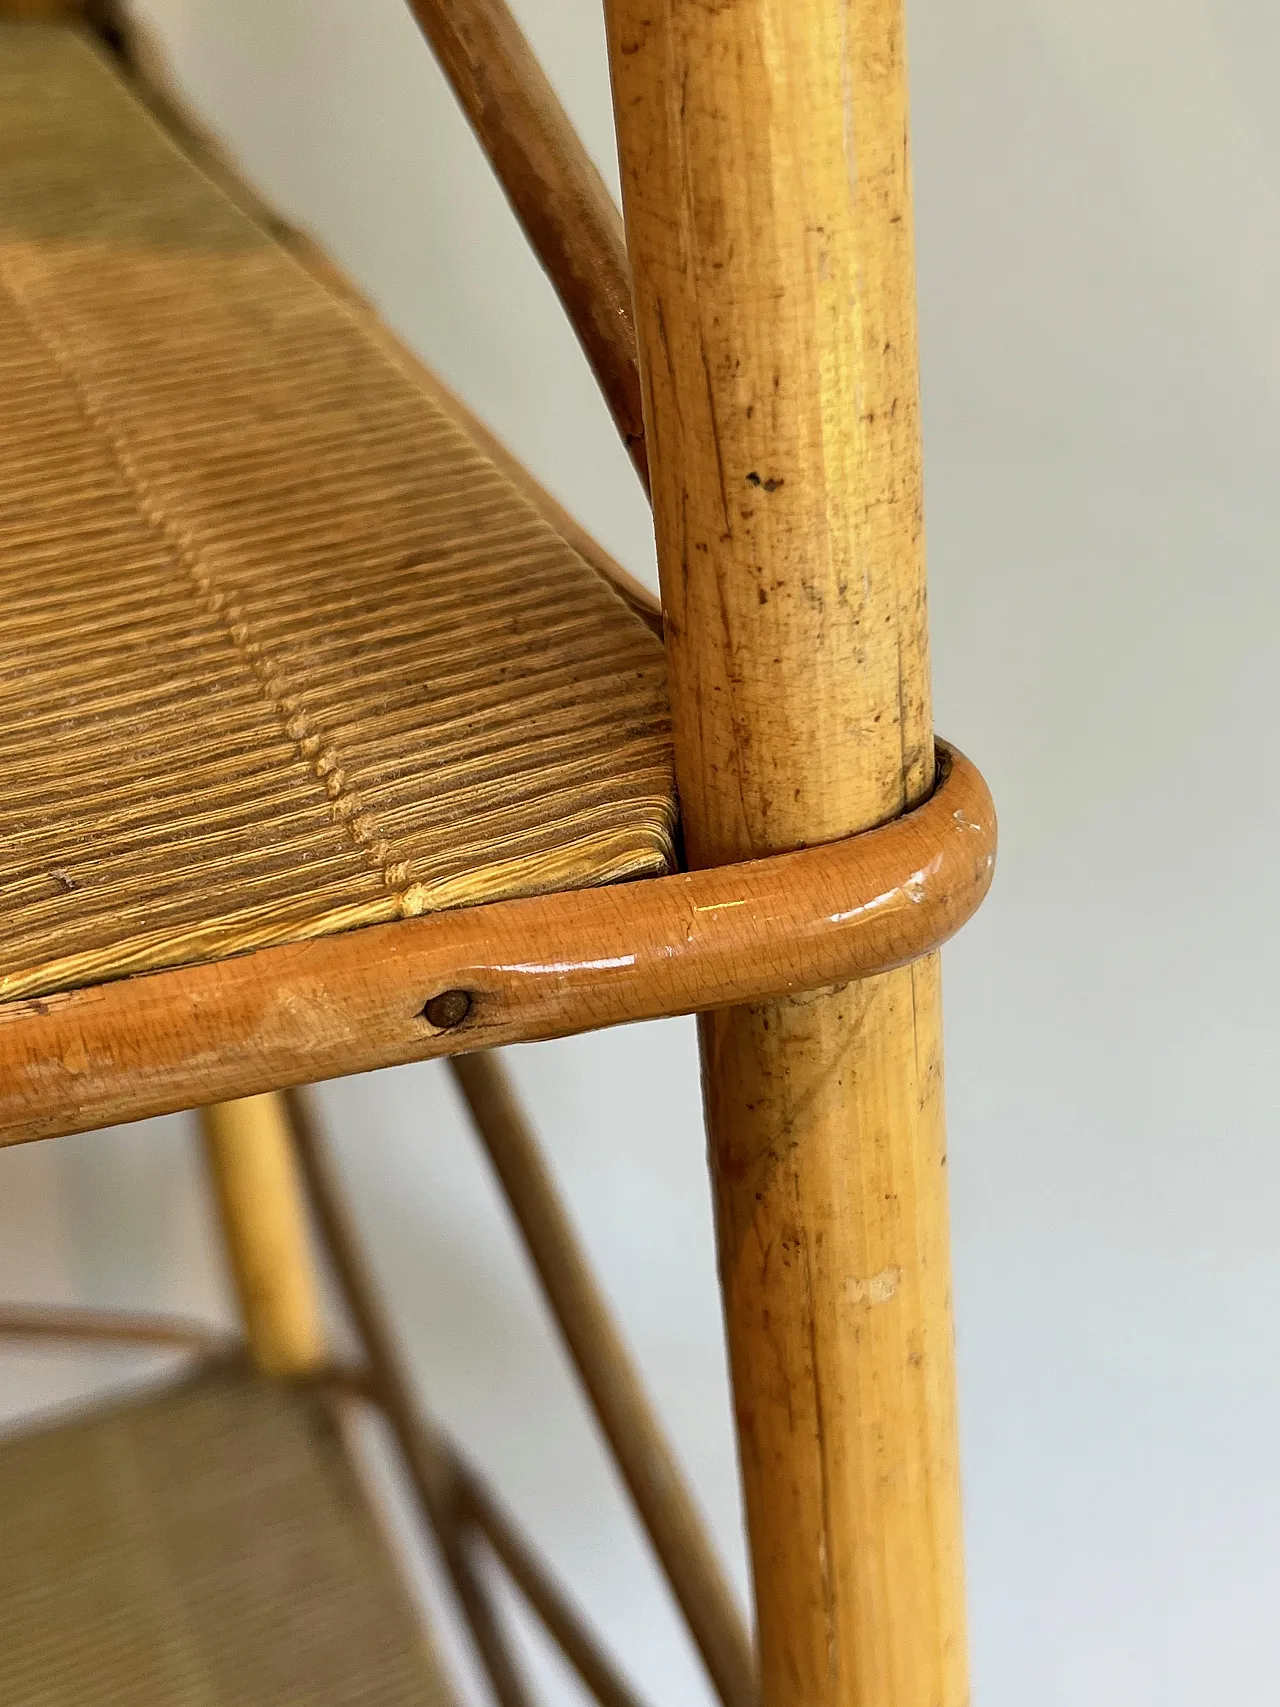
(447, 1009)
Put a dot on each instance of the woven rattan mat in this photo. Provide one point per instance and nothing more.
(281, 651)
(204, 1547)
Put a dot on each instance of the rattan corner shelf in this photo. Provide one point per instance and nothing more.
(287, 657)
(330, 742)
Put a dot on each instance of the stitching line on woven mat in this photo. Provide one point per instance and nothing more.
(319, 756)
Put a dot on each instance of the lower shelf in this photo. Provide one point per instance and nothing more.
(205, 1546)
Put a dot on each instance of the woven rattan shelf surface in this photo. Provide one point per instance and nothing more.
(281, 651)
(205, 1547)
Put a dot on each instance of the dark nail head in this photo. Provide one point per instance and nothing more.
(447, 1009)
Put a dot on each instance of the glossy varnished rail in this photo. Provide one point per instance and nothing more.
(546, 967)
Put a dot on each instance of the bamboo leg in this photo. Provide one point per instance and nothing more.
(768, 210)
(613, 1384)
(262, 1210)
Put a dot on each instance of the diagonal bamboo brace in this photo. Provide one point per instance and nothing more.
(631, 1426)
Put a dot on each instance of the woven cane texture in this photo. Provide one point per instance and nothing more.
(209, 1547)
(281, 651)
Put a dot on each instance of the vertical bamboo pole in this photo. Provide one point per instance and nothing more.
(259, 1191)
(768, 208)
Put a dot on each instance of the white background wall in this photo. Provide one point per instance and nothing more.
(1099, 241)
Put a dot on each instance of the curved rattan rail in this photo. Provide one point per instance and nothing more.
(510, 972)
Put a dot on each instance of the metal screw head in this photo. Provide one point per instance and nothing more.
(447, 1009)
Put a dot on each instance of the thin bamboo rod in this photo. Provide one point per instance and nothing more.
(767, 194)
(554, 188)
(559, 1616)
(561, 1619)
(425, 1457)
(477, 1505)
(263, 1218)
(628, 1420)
(347, 1390)
(119, 1327)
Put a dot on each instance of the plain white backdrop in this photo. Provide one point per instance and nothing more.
(1098, 213)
